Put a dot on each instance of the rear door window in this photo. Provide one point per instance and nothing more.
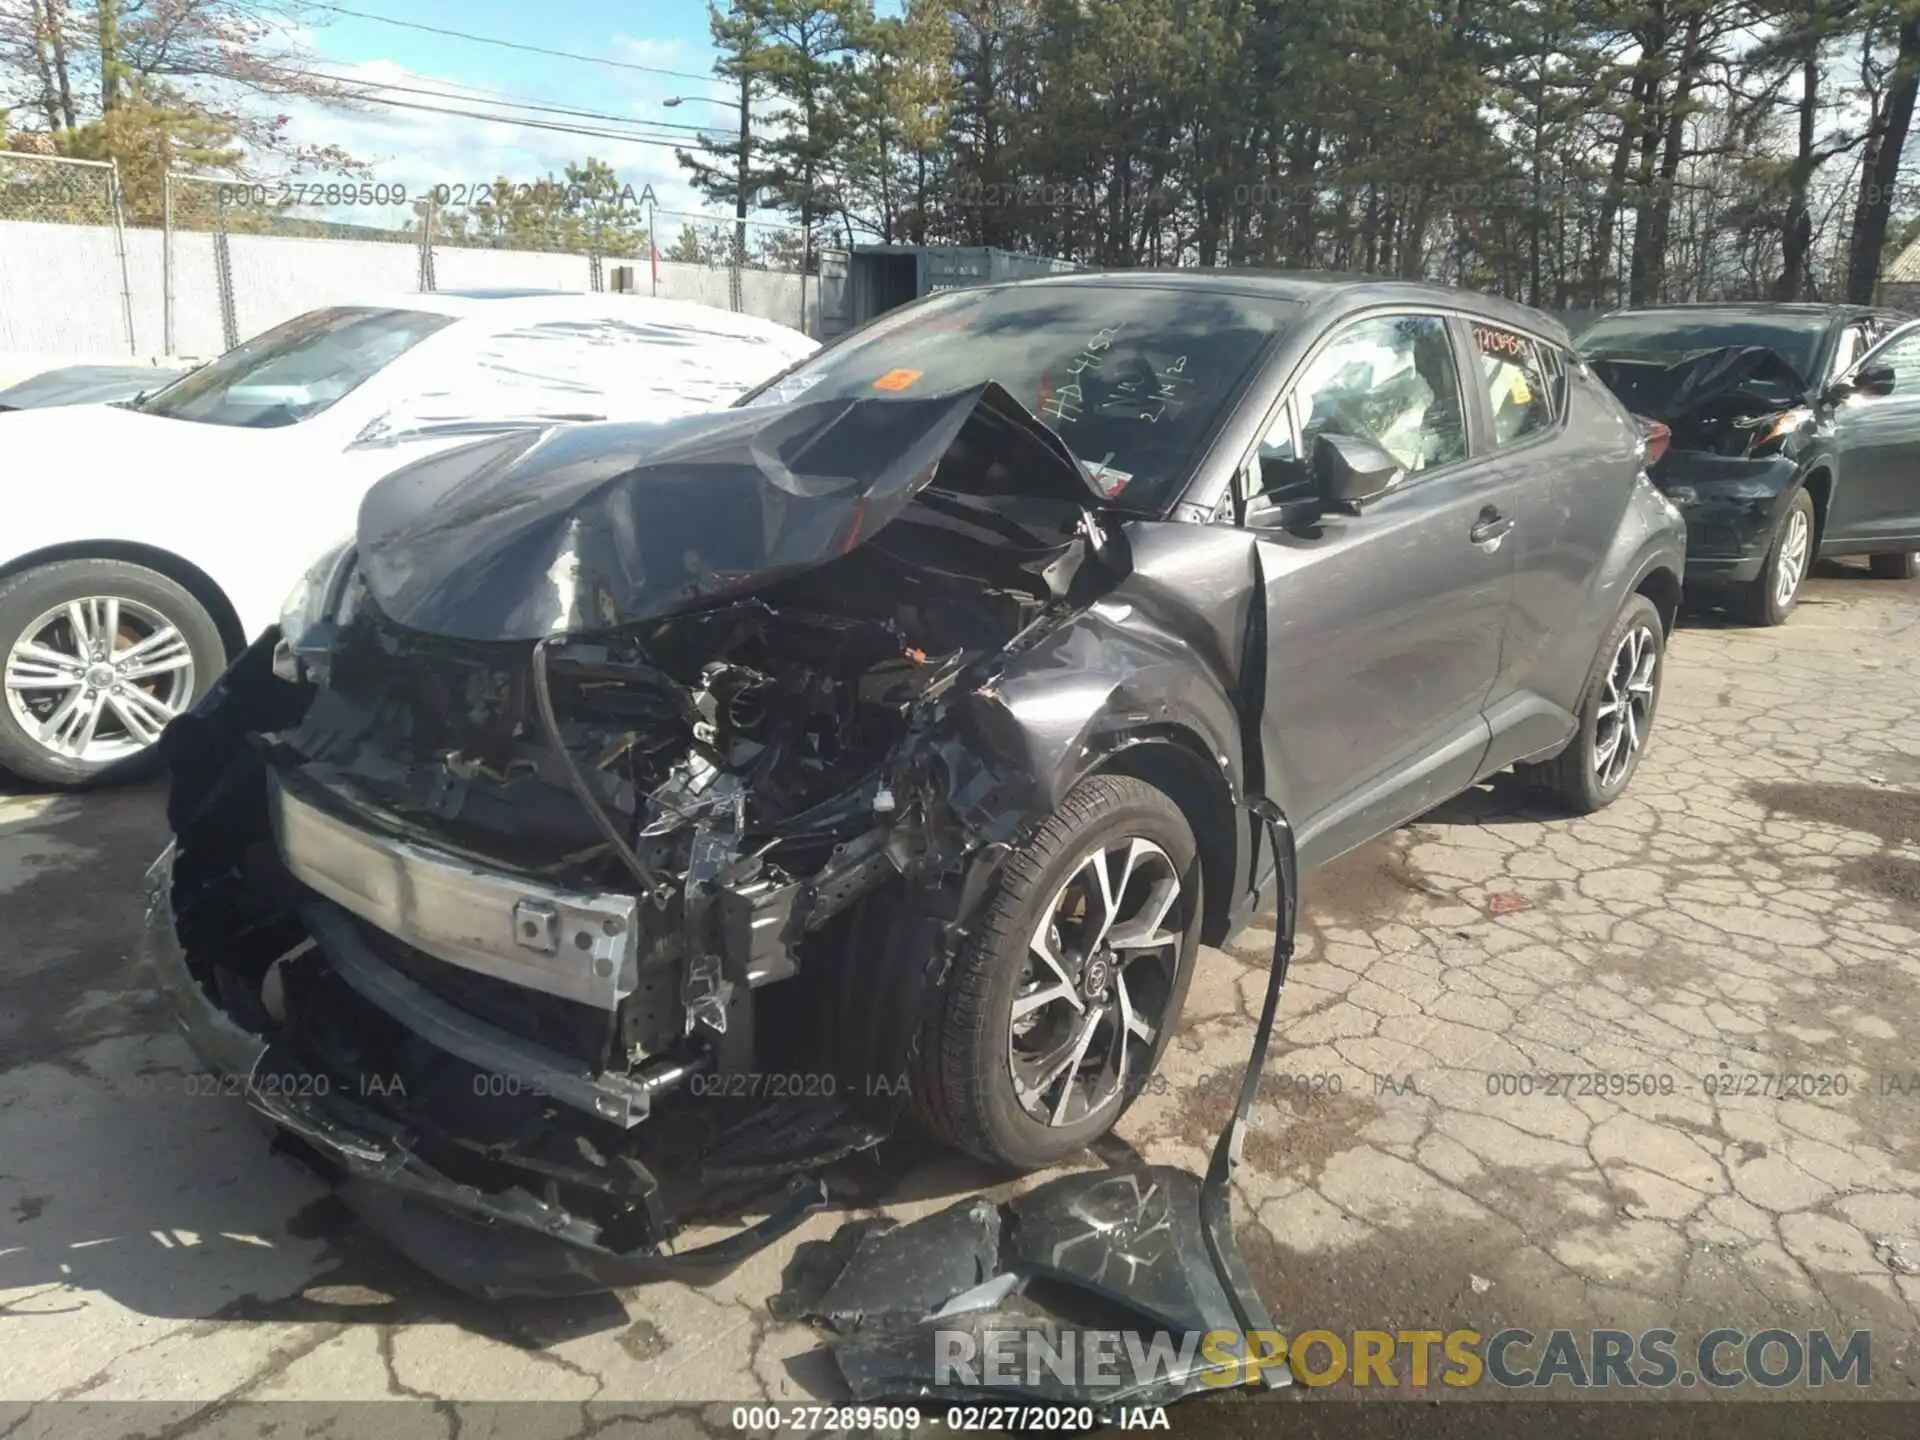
(1523, 382)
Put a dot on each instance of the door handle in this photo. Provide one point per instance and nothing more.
(1491, 527)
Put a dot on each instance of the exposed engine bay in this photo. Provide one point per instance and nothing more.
(1727, 401)
(749, 761)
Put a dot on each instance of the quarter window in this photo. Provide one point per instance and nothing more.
(1393, 381)
(1522, 380)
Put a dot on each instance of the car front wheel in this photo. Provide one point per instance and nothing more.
(96, 656)
(1770, 598)
(1058, 1005)
(1903, 565)
(1616, 714)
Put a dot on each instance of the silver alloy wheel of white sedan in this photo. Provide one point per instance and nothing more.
(97, 678)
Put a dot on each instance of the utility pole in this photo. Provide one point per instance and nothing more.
(743, 168)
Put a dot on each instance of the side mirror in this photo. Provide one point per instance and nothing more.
(1874, 380)
(1282, 477)
(1351, 471)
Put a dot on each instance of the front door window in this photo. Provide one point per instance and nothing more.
(1391, 380)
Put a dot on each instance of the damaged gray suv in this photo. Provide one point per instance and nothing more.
(632, 818)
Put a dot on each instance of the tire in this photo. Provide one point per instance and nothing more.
(1769, 598)
(1902, 565)
(1574, 778)
(165, 677)
(965, 1092)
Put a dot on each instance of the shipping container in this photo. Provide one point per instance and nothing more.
(869, 280)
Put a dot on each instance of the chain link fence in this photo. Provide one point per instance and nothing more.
(542, 235)
(242, 255)
(67, 243)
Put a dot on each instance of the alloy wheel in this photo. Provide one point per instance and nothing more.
(1099, 974)
(1791, 567)
(96, 679)
(1626, 709)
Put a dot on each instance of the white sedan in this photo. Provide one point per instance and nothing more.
(144, 544)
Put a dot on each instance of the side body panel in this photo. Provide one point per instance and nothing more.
(1578, 491)
(1876, 502)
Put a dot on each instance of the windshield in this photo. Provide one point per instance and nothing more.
(1133, 378)
(295, 370)
(1667, 336)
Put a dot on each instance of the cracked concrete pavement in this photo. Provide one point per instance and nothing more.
(1522, 1077)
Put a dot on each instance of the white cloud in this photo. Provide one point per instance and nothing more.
(664, 54)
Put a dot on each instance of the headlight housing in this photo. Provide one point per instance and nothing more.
(1772, 432)
(306, 617)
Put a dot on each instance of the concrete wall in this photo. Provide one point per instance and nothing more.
(60, 290)
(61, 296)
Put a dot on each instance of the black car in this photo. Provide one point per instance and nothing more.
(1794, 436)
(637, 812)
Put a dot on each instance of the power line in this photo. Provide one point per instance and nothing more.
(667, 142)
(476, 94)
(707, 79)
(459, 90)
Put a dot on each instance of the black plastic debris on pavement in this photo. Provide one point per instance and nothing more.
(1095, 1254)
(1060, 1273)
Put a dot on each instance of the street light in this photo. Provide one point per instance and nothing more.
(743, 168)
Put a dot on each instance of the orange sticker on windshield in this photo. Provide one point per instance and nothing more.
(896, 380)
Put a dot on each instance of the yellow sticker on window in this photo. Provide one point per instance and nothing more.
(1521, 392)
(896, 380)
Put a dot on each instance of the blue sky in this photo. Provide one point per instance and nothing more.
(418, 149)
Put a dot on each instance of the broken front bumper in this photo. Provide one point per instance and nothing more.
(1731, 507)
(491, 1243)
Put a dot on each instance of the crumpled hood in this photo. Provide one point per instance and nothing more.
(1675, 393)
(590, 527)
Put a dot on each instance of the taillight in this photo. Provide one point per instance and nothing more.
(1654, 439)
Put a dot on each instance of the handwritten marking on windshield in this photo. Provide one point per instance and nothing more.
(1063, 406)
(1093, 353)
(1163, 385)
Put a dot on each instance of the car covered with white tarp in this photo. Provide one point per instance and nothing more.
(146, 542)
